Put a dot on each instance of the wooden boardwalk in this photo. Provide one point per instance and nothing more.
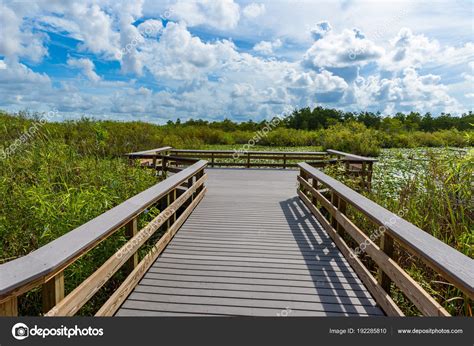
(250, 248)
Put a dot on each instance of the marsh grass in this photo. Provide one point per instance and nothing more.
(47, 189)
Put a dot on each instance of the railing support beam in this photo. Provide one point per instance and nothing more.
(53, 291)
(131, 229)
(9, 307)
(387, 246)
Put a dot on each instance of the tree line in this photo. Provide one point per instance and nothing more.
(322, 118)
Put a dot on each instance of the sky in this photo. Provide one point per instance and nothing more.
(160, 60)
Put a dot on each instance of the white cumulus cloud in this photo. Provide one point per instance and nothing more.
(86, 66)
(266, 47)
(410, 91)
(340, 50)
(320, 30)
(223, 14)
(409, 50)
(253, 10)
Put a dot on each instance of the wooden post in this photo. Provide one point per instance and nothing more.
(335, 202)
(284, 161)
(302, 175)
(198, 176)
(248, 159)
(212, 159)
(172, 199)
(369, 176)
(164, 164)
(131, 229)
(314, 199)
(189, 184)
(168, 202)
(53, 291)
(342, 206)
(163, 206)
(386, 245)
(9, 307)
(363, 173)
(347, 166)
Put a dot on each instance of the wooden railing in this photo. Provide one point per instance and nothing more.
(250, 159)
(357, 166)
(167, 159)
(328, 199)
(176, 197)
(149, 153)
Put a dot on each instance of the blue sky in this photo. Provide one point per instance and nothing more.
(160, 60)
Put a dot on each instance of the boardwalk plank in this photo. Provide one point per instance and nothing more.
(259, 288)
(279, 296)
(254, 303)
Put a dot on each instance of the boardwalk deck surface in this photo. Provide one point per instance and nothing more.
(250, 248)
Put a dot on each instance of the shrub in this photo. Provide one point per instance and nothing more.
(352, 137)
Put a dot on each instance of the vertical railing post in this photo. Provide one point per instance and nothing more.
(315, 186)
(188, 185)
(53, 291)
(164, 165)
(163, 205)
(248, 159)
(387, 246)
(168, 202)
(9, 307)
(131, 229)
(172, 199)
(364, 176)
(212, 159)
(347, 166)
(198, 176)
(334, 202)
(342, 207)
(284, 161)
(369, 176)
(304, 177)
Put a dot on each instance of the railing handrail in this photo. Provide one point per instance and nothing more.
(62, 251)
(149, 152)
(210, 151)
(352, 157)
(452, 264)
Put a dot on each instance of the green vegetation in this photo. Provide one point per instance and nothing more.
(49, 187)
(364, 133)
(63, 174)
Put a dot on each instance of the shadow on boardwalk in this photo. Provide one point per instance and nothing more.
(339, 290)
